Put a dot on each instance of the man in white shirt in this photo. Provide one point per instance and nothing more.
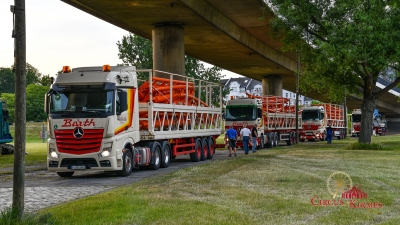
(245, 133)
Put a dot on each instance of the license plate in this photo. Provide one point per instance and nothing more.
(77, 167)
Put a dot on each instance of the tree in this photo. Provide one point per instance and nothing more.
(341, 44)
(35, 102)
(137, 51)
(33, 76)
(6, 80)
(45, 80)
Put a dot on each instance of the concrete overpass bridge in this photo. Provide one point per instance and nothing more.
(228, 34)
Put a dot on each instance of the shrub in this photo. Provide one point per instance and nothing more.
(364, 146)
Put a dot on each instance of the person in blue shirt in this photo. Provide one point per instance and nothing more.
(231, 134)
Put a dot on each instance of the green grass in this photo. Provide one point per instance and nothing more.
(270, 187)
(36, 156)
(33, 130)
(36, 149)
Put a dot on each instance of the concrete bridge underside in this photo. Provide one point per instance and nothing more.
(229, 34)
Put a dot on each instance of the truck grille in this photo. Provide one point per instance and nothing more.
(89, 143)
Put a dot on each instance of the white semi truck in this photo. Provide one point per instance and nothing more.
(100, 119)
(275, 117)
(316, 118)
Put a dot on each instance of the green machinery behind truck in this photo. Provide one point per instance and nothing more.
(5, 136)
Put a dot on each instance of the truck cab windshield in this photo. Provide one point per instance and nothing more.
(82, 103)
(311, 115)
(355, 118)
(240, 112)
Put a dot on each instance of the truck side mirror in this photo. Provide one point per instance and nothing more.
(46, 101)
(259, 113)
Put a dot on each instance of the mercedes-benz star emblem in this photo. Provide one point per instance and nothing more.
(78, 132)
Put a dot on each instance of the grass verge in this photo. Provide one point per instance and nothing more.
(270, 187)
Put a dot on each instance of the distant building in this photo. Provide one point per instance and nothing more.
(239, 86)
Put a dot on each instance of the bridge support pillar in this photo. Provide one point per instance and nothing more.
(168, 49)
(272, 85)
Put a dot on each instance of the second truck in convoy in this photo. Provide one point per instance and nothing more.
(275, 118)
(101, 119)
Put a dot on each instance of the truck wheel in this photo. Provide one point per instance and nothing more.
(211, 148)
(275, 139)
(196, 155)
(157, 158)
(323, 136)
(165, 154)
(126, 163)
(289, 142)
(269, 141)
(65, 174)
(204, 152)
(261, 146)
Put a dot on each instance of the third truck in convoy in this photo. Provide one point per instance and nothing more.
(317, 117)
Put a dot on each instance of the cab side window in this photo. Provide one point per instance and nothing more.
(122, 101)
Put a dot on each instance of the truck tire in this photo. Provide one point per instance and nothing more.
(323, 136)
(196, 155)
(340, 134)
(205, 150)
(211, 148)
(275, 139)
(156, 159)
(65, 174)
(290, 141)
(127, 163)
(261, 146)
(165, 154)
(269, 142)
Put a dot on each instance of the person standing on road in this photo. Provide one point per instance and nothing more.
(329, 134)
(245, 133)
(254, 135)
(231, 134)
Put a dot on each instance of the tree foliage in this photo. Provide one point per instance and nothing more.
(33, 76)
(35, 102)
(6, 80)
(137, 51)
(341, 44)
(37, 85)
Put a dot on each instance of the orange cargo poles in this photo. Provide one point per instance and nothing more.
(175, 92)
(333, 114)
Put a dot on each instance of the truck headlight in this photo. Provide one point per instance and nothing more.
(106, 150)
(53, 153)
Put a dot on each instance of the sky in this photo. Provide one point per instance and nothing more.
(58, 35)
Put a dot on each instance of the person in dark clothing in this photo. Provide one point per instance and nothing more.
(254, 135)
(329, 134)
